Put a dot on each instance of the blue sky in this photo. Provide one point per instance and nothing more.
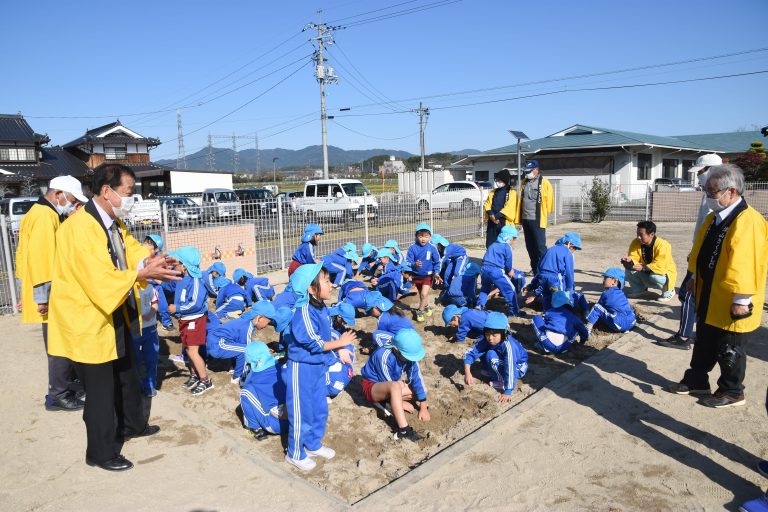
(93, 59)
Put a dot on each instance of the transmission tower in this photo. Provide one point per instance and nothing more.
(211, 161)
(181, 159)
(235, 155)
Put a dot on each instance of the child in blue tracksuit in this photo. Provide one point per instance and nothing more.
(424, 259)
(339, 265)
(147, 346)
(502, 354)
(454, 264)
(469, 322)
(229, 340)
(392, 285)
(558, 327)
(308, 339)
(337, 373)
(497, 270)
(230, 301)
(469, 283)
(398, 258)
(353, 292)
(155, 245)
(258, 288)
(385, 262)
(286, 298)
(612, 310)
(382, 379)
(391, 318)
(305, 252)
(282, 324)
(209, 278)
(555, 270)
(262, 394)
(368, 263)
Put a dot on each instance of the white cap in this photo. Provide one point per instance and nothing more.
(707, 160)
(69, 184)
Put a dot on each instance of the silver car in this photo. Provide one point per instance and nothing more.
(182, 210)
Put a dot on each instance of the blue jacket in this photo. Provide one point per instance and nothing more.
(210, 287)
(368, 264)
(305, 253)
(265, 390)
(452, 268)
(286, 298)
(471, 324)
(230, 298)
(392, 279)
(339, 267)
(498, 255)
(391, 322)
(558, 260)
(614, 300)
(258, 288)
(238, 331)
(384, 366)
(564, 321)
(353, 292)
(310, 330)
(429, 257)
(512, 356)
(190, 298)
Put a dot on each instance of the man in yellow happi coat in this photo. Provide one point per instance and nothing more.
(35, 255)
(649, 263)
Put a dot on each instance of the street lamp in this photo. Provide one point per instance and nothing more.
(519, 136)
(274, 169)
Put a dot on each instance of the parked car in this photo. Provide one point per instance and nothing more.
(145, 212)
(289, 200)
(454, 195)
(220, 203)
(182, 210)
(15, 208)
(256, 202)
(336, 198)
(672, 185)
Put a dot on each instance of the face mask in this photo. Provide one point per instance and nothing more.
(702, 179)
(714, 204)
(66, 209)
(126, 205)
(499, 184)
(527, 172)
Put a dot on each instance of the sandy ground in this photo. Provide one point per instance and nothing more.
(595, 435)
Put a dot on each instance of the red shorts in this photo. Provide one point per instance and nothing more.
(192, 332)
(367, 387)
(292, 267)
(418, 282)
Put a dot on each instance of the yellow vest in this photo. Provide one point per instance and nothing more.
(88, 288)
(662, 264)
(35, 256)
(547, 202)
(741, 268)
(509, 209)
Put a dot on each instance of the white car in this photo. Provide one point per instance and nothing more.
(337, 198)
(456, 195)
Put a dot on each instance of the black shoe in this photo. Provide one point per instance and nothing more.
(149, 430)
(118, 463)
(678, 388)
(676, 342)
(80, 395)
(409, 434)
(65, 403)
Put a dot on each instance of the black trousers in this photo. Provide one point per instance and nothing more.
(710, 349)
(535, 242)
(114, 402)
(60, 371)
(493, 231)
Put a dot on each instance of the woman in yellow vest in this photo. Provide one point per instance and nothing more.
(500, 207)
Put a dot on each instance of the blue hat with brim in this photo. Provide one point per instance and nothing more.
(408, 343)
(450, 311)
(560, 298)
(384, 252)
(257, 355)
(301, 279)
(310, 231)
(157, 240)
(423, 227)
(221, 282)
(531, 165)
(345, 310)
(240, 273)
(496, 320)
(189, 257)
(218, 267)
(440, 239)
(507, 234)
(352, 256)
(264, 308)
(573, 238)
(367, 250)
(616, 273)
(405, 268)
(375, 299)
(392, 244)
(349, 246)
(282, 319)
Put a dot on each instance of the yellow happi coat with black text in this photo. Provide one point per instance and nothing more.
(662, 264)
(741, 268)
(510, 207)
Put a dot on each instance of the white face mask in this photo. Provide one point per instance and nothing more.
(714, 204)
(126, 205)
(66, 209)
(499, 184)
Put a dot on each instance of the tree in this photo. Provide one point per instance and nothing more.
(753, 162)
(600, 199)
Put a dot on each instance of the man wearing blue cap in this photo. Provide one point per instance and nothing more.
(537, 201)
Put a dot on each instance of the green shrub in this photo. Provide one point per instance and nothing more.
(600, 199)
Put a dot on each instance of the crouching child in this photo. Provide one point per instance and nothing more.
(262, 392)
(558, 327)
(612, 310)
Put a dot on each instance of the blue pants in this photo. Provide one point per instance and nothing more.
(639, 282)
(458, 300)
(162, 309)
(357, 299)
(687, 310)
(544, 341)
(147, 347)
(494, 276)
(253, 417)
(337, 376)
(535, 242)
(469, 289)
(220, 348)
(616, 322)
(381, 338)
(497, 365)
(389, 290)
(307, 407)
(547, 284)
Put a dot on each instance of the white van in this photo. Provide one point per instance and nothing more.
(15, 208)
(336, 198)
(221, 203)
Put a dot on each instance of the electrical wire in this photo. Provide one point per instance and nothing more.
(398, 14)
(371, 136)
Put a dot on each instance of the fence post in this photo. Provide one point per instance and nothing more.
(365, 214)
(165, 222)
(482, 212)
(431, 211)
(582, 208)
(9, 263)
(280, 231)
(557, 201)
(647, 202)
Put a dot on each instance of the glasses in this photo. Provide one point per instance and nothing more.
(713, 194)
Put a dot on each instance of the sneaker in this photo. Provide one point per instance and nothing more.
(497, 384)
(678, 388)
(419, 316)
(150, 393)
(676, 342)
(408, 433)
(202, 387)
(176, 358)
(757, 505)
(191, 382)
(428, 312)
(666, 296)
(762, 468)
(305, 464)
(323, 451)
(724, 400)
(234, 380)
(167, 328)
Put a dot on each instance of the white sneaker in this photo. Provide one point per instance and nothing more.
(306, 464)
(323, 451)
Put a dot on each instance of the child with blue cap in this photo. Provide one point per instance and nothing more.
(286, 298)
(385, 261)
(424, 259)
(469, 323)
(383, 380)
(454, 261)
(309, 338)
(337, 373)
(305, 252)
(502, 355)
(282, 323)
(256, 288)
(229, 340)
(368, 263)
(391, 318)
(558, 327)
(612, 310)
(262, 393)
(209, 277)
(339, 265)
(497, 271)
(230, 301)
(556, 269)
(147, 345)
(354, 293)
(393, 284)
(190, 306)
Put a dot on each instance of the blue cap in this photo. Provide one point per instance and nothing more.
(440, 239)
(239, 273)
(264, 308)
(189, 257)
(345, 310)
(405, 268)
(283, 317)
(368, 249)
(157, 240)
(450, 311)
(392, 244)
(423, 227)
(472, 269)
(531, 165)
(301, 279)
(496, 320)
(310, 231)
(573, 238)
(408, 343)
(616, 273)
(349, 246)
(352, 255)
(384, 252)
(258, 356)
(507, 234)
(221, 282)
(560, 298)
(218, 267)
(376, 299)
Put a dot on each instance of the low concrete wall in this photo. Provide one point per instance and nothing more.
(236, 245)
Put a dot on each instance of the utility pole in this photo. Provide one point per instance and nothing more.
(323, 75)
(274, 169)
(423, 114)
(258, 153)
(235, 157)
(211, 161)
(181, 159)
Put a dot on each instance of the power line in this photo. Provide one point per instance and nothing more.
(404, 12)
(372, 136)
(338, 20)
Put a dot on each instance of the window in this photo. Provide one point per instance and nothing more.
(643, 166)
(115, 152)
(17, 154)
(322, 191)
(336, 190)
(355, 189)
(458, 187)
(441, 189)
(310, 191)
(481, 176)
(687, 164)
(669, 168)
